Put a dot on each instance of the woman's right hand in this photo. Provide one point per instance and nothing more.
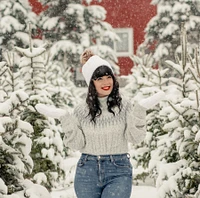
(50, 111)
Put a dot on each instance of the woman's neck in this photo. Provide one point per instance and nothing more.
(103, 102)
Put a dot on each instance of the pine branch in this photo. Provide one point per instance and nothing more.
(177, 60)
(175, 66)
(197, 62)
(145, 71)
(184, 45)
(10, 60)
(179, 113)
(30, 38)
(193, 74)
(184, 54)
(197, 99)
(18, 105)
(190, 60)
(3, 70)
(160, 80)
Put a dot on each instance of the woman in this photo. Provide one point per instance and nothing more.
(100, 128)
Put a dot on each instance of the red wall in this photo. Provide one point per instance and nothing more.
(37, 7)
(122, 14)
(125, 14)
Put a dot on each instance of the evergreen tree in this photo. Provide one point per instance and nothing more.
(181, 123)
(170, 151)
(143, 82)
(3, 69)
(47, 148)
(71, 27)
(14, 16)
(63, 91)
(15, 136)
(11, 81)
(163, 30)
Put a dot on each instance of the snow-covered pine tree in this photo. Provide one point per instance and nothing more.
(15, 143)
(15, 136)
(171, 148)
(63, 92)
(100, 34)
(11, 81)
(62, 89)
(143, 82)
(3, 69)
(180, 177)
(47, 147)
(140, 75)
(144, 79)
(71, 27)
(163, 30)
(14, 16)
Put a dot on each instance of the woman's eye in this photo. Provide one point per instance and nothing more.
(109, 76)
(99, 78)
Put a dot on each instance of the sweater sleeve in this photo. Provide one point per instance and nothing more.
(135, 123)
(74, 137)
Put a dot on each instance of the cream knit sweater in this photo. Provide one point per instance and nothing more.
(110, 134)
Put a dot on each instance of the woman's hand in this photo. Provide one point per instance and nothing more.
(50, 111)
(153, 100)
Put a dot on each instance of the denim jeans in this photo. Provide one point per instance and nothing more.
(103, 176)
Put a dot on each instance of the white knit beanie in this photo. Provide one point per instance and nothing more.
(91, 65)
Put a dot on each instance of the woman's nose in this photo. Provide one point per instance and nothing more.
(105, 81)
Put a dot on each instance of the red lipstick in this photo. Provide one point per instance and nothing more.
(106, 88)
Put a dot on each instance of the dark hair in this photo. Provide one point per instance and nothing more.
(113, 100)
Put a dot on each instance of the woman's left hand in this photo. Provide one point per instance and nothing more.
(153, 100)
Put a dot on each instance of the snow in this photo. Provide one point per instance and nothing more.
(4, 108)
(198, 149)
(40, 177)
(31, 54)
(50, 23)
(25, 126)
(3, 187)
(197, 137)
(75, 8)
(97, 11)
(22, 36)
(180, 7)
(26, 149)
(37, 191)
(8, 22)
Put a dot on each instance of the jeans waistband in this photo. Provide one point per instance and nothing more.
(105, 157)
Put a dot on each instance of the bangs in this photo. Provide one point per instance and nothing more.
(102, 71)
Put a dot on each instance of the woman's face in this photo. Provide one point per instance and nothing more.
(103, 85)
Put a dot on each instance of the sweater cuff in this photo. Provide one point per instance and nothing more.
(139, 110)
(65, 120)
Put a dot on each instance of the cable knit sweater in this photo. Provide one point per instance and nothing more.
(110, 134)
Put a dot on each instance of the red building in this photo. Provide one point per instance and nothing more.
(37, 6)
(129, 19)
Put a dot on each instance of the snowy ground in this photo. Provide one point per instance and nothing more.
(137, 192)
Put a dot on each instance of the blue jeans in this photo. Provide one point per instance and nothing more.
(103, 176)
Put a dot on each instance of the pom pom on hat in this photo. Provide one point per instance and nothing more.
(85, 56)
(90, 63)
